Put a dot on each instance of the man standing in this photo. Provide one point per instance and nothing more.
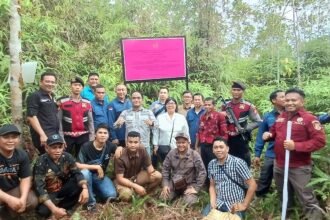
(212, 124)
(307, 136)
(116, 107)
(229, 178)
(187, 104)
(277, 98)
(58, 182)
(138, 119)
(100, 108)
(134, 172)
(238, 138)
(183, 172)
(88, 91)
(158, 107)
(94, 157)
(193, 116)
(15, 174)
(76, 119)
(42, 112)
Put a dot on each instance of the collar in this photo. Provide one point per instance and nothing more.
(227, 161)
(132, 155)
(185, 107)
(187, 155)
(77, 101)
(301, 112)
(46, 93)
(118, 100)
(101, 102)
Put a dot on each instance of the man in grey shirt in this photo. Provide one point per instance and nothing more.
(138, 119)
(183, 172)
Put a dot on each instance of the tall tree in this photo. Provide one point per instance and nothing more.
(15, 50)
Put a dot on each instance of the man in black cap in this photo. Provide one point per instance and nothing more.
(76, 118)
(15, 174)
(42, 111)
(239, 133)
(58, 182)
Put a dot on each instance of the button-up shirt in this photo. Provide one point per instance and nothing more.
(88, 93)
(157, 107)
(193, 123)
(131, 163)
(212, 124)
(135, 121)
(182, 109)
(100, 113)
(190, 167)
(50, 177)
(228, 192)
(307, 134)
(168, 128)
(44, 107)
(116, 107)
(267, 122)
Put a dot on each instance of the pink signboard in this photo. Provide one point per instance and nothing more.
(146, 59)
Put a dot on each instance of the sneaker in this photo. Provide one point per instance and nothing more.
(91, 207)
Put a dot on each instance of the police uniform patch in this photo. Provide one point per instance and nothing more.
(241, 106)
(280, 120)
(300, 119)
(317, 125)
(83, 105)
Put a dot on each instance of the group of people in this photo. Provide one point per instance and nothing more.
(193, 144)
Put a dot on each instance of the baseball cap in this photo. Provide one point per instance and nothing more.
(9, 128)
(182, 135)
(54, 139)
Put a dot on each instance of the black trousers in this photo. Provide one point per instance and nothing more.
(239, 147)
(207, 155)
(266, 177)
(36, 140)
(73, 144)
(66, 198)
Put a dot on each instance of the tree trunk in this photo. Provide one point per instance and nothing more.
(15, 64)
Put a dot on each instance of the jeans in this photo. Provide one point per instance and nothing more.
(102, 188)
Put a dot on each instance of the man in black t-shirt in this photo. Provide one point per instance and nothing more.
(93, 159)
(15, 174)
(42, 112)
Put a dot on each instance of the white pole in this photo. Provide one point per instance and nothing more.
(286, 173)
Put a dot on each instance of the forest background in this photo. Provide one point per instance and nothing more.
(267, 44)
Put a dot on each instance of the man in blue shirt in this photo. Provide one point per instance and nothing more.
(88, 91)
(158, 107)
(325, 118)
(277, 98)
(116, 107)
(100, 107)
(193, 116)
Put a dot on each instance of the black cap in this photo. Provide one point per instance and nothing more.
(77, 80)
(182, 135)
(54, 139)
(9, 128)
(239, 85)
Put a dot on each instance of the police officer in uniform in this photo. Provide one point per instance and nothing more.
(239, 136)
